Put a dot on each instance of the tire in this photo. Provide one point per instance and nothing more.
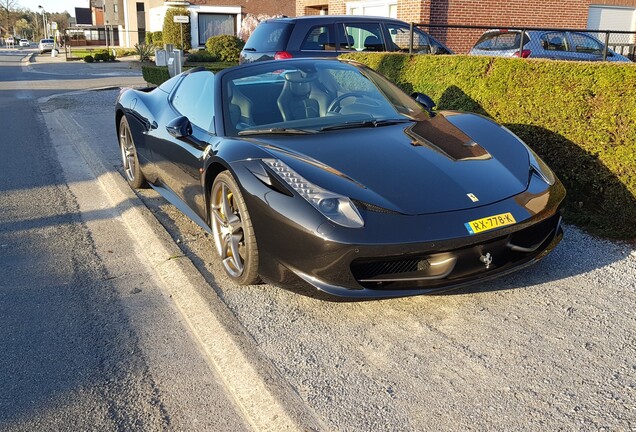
(130, 162)
(232, 230)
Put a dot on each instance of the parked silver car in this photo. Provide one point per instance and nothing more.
(549, 44)
(45, 45)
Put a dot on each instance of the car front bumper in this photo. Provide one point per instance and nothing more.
(396, 255)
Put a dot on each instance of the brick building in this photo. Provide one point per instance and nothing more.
(580, 14)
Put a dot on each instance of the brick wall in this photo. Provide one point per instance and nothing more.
(308, 7)
(562, 13)
(414, 10)
(337, 7)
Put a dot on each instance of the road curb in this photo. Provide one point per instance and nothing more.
(267, 401)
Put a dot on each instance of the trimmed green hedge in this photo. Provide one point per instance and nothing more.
(155, 74)
(158, 74)
(172, 31)
(579, 117)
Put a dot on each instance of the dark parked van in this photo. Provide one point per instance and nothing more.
(332, 35)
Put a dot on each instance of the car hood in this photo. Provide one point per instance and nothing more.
(451, 162)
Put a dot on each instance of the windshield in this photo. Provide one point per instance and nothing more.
(311, 96)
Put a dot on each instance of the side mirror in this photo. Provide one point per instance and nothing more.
(424, 100)
(179, 127)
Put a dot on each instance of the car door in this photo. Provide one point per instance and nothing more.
(554, 45)
(180, 145)
(584, 47)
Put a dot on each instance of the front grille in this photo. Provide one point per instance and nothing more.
(447, 267)
(366, 270)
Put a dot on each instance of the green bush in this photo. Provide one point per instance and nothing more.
(225, 47)
(154, 38)
(89, 59)
(172, 30)
(124, 52)
(157, 38)
(100, 57)
(155, 74)
(578, 116)
(144, 51)
(201, 57)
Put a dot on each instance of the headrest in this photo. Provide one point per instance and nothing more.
(299, 77)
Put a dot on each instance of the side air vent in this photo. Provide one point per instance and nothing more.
(373, 208)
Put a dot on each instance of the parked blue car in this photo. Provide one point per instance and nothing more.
(548, 44)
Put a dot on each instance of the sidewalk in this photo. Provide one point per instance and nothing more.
(128, 62)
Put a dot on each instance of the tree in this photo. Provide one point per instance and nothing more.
(23, 28)
(172, 30)
(6, 7)
(62, 20)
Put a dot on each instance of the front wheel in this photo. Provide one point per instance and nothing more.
(130, 161)
(232, 230)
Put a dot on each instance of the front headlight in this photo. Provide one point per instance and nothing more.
(336, 208)
(540, 168)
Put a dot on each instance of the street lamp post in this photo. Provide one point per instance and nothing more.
(46, 33)
(37, 25)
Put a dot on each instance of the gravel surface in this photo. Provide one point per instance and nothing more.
(549, 347)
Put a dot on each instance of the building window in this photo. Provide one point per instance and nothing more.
(141, 17)
(115, 8)
(214, 25)
(386, 8)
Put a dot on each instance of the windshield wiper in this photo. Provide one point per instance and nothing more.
(279, 131)
(365, 123)
(249, 49)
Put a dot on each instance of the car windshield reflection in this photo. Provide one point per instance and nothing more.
(311, 97)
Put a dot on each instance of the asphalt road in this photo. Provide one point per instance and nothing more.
(89, 340)
(552, 347)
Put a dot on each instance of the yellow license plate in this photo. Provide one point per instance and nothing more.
(489, 223)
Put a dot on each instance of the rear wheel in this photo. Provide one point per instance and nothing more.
(130, 162)
(232, 230)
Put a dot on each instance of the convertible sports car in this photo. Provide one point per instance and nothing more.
(325, 172)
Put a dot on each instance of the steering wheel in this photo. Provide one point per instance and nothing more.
(335, 107)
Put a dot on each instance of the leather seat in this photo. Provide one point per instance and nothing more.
(372, 43)
(323, 41)
(295, 101)
(240, 108)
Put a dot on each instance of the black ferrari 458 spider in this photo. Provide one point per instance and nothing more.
(325, 172)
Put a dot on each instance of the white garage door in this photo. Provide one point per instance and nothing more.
(612, 18)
